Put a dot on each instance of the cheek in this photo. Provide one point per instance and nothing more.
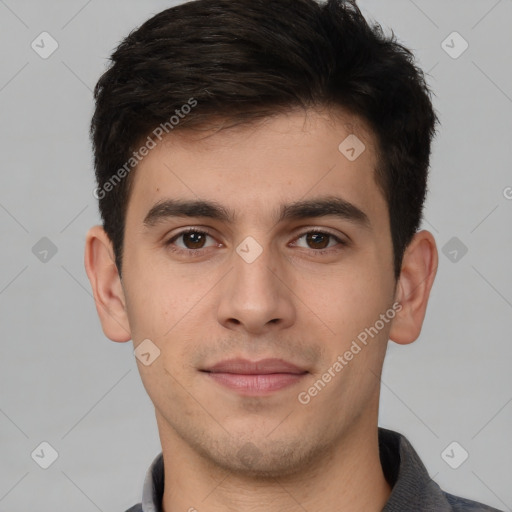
(346, 301)
(153, 305)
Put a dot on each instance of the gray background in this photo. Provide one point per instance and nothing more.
(63, 382)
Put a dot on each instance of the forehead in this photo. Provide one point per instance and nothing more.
(253, 169)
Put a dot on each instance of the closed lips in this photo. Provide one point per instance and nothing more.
(262, 367)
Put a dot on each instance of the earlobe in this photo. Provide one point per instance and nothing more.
(106, 285)
(419, 267)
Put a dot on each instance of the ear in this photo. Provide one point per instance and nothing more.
(106, 285)
(419, 267)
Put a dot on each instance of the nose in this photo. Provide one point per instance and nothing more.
(256, 296)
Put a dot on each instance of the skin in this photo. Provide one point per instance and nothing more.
(224, 451)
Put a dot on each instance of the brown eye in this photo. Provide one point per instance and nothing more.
(318, 240)
(189, 241)
(194, 239)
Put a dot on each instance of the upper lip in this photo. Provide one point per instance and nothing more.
(261, 367)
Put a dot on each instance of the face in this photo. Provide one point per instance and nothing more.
(256, 297)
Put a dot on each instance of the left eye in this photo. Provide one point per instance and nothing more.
(319, 240)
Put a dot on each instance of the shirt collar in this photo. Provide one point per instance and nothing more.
(412, 487)
(153, 489)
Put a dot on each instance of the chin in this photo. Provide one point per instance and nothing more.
(263, 460)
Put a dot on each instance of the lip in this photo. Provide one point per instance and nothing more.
(261, 367)
(255, 377)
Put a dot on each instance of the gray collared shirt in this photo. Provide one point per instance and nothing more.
(412, 488)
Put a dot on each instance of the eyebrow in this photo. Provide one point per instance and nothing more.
(319, 207)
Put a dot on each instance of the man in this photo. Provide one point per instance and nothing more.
(261, 171)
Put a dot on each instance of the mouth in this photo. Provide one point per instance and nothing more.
(254, 378)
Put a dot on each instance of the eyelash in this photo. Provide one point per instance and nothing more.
(197, 252)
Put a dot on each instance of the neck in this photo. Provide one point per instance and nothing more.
(348, 476)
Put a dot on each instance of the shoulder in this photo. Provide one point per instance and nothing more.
(136, 508)
(412, 486)
(459, 504)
